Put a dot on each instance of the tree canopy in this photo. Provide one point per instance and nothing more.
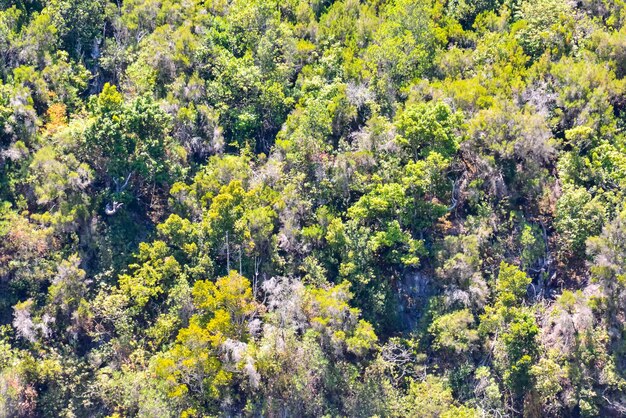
(368, 208)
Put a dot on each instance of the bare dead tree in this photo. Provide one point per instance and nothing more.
(227, 254)
(454, 197)
(240, 270)
(112, 207)
(257, 264)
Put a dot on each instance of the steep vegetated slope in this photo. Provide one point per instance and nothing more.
(409, 208)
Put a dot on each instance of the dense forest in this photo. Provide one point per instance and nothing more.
(307, 208)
